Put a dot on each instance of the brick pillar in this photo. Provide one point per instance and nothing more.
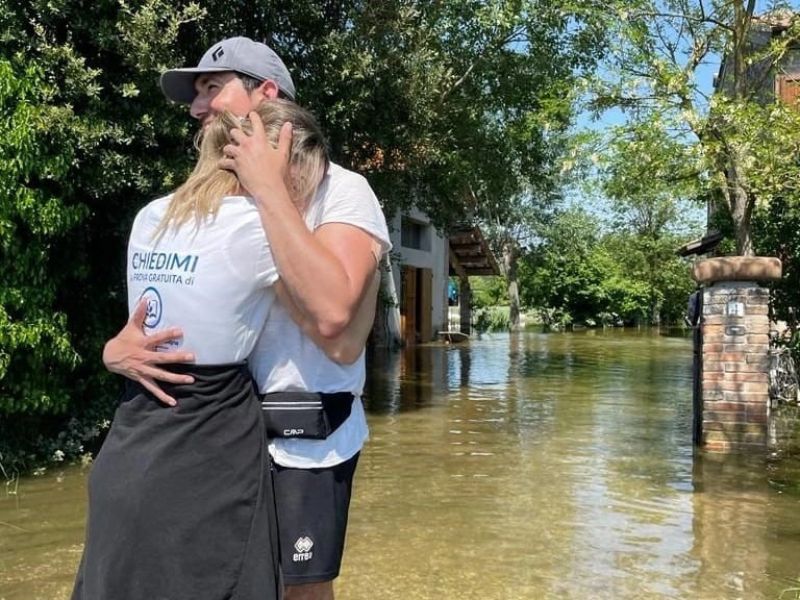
(735, 368)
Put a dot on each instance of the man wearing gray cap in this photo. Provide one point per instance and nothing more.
(239, 55)
(340, 235)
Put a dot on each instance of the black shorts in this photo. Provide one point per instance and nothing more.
(312, 506)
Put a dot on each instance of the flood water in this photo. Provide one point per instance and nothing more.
(515, 467)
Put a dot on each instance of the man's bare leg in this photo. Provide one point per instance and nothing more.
(309, 591)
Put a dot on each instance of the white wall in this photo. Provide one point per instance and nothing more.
(437, 259)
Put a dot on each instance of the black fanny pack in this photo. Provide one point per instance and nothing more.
(309, 415)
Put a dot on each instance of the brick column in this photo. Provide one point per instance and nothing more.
(735, 328)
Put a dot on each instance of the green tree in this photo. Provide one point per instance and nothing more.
(652, 215)
(519, 173)
(579, 274)
(440, 105)
(649, 267)
(86, 140)
(560, 277)
(488, 291)
(738, 142)
(36, 145)
(777, 229)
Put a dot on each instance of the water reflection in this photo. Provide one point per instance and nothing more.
(566, 470)
(518, 466)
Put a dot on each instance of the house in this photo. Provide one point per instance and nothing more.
(470, 256)
(769, 84)
(413, 304)
(753, 75)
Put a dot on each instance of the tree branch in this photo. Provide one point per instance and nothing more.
(498, 43)
(666, 15)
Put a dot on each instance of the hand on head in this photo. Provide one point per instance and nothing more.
(260, 166)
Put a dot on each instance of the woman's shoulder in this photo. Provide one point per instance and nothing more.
(155, 208)
(151, 213)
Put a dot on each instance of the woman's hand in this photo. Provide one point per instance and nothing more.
(133, 354)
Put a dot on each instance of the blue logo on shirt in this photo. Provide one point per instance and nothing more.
(154, 308)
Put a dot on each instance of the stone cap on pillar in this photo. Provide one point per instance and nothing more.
(737, 268)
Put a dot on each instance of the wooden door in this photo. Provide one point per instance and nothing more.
(408, 305)
(787, 88)
(425, 305)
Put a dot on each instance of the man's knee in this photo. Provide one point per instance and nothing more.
(309, 591)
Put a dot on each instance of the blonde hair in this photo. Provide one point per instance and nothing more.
(201, 194)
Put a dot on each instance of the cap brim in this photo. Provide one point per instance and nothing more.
(178, 84)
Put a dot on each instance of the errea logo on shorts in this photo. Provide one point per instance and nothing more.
(303, 546)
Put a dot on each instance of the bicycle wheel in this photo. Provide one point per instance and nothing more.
(783, 379)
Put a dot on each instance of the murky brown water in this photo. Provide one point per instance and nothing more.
(531, 466)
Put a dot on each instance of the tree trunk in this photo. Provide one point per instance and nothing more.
(465, 305)
(655, 313)
(741, 222)
(740, 200)
(513, 309)
(741, 206)
(510, 255)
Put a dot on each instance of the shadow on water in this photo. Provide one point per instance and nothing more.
(516, 466)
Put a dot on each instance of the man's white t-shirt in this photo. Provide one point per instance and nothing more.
(212, 280)
(284, 359)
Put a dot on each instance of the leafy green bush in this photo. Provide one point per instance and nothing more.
(86, 139)
(488, 291)
(776, 232)
(578, 275)
(491, 318)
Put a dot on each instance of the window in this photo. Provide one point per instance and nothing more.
(415, 235)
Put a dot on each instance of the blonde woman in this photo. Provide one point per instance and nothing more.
(180, 498)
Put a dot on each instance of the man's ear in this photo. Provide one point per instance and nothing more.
(268, 89)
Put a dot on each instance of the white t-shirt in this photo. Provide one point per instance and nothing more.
(284, 359)
(212, 281)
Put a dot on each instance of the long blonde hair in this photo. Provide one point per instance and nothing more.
(201, 193)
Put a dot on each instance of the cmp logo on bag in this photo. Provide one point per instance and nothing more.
(303, 546)
(154, 310)
(217, 53)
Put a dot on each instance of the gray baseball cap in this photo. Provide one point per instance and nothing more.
(239, 54)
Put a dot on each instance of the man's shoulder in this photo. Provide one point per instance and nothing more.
(345, 197)
(344, 187)
(340, 177)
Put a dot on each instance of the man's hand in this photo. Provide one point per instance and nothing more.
(133, 354)
(259, 166)
(338, 257)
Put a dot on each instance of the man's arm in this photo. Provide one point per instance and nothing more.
(326, 272)
(133, 354)
(347, 347)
